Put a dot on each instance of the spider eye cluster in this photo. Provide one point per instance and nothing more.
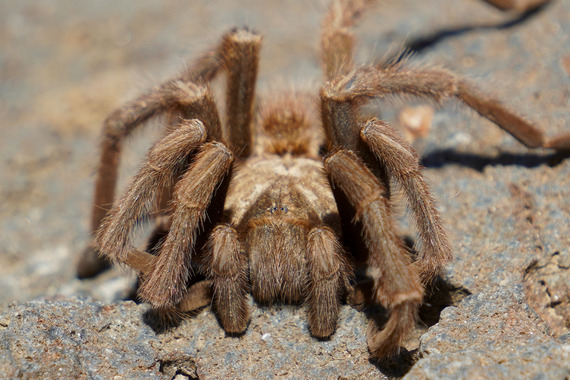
(281, 208)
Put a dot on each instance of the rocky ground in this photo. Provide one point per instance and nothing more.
(505, 298)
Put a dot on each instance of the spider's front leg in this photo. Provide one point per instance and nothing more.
(402, 163)
(166, 284)
(164, 161)
(164, 278)
(197, 296)
(180, 95)
(439, 85)
(184, 97)
(397, 284)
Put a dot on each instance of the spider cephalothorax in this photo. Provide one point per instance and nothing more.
(249, 200)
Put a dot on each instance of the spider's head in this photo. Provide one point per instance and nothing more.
(288, 126)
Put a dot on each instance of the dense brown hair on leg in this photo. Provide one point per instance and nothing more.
(402, 163)
(337, 38)
(198, 296)
(164, 160)
(228, 271)
(166, 284)
(329, 273)
(241, 57)
(439, 85)
(397, 284)
(169, 97)
(172, 98)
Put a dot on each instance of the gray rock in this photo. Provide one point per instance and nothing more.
(507, 208)
(276, 344)
(76, 338)
(83, 338)
(491, 335)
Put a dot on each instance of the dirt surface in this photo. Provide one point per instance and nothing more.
(65, 65)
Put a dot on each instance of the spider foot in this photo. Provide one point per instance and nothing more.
(91, 263)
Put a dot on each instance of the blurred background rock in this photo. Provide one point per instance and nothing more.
(64, 65)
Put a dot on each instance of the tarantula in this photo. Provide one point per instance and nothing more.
(261, 202)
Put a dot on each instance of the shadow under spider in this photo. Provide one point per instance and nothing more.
(421, 43)
(444, 157)
(439, 295)
(166, 319)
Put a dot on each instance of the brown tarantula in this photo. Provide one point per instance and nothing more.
(261, 201)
